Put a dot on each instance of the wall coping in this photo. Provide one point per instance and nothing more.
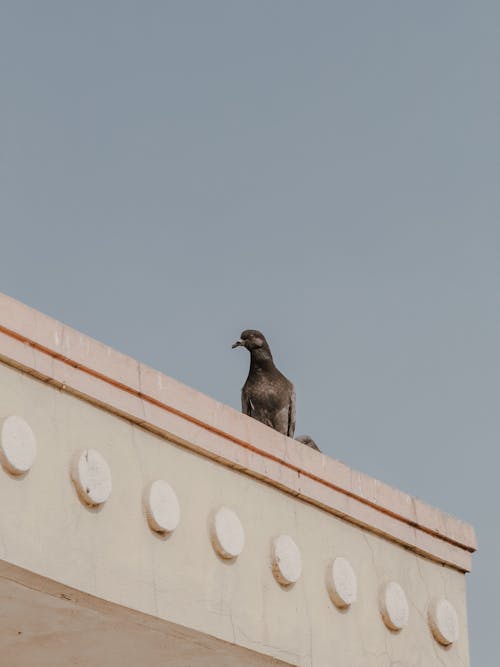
(57, 354)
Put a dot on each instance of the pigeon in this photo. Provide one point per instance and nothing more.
(267, 394)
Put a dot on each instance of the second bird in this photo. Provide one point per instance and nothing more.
(267, 394)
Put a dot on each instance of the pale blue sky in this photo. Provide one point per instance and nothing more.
(328, 172)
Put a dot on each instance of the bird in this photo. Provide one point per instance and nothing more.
(267, 394)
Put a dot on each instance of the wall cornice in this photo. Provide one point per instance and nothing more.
(61, 356)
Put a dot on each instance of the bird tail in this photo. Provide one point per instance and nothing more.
(307, 440)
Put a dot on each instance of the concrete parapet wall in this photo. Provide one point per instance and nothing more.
(307, 562)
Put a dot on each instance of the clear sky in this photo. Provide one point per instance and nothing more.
(328, 172)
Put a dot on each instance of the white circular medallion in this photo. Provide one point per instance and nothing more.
(92, 476)
(286, 560)
(18, 445)
(394, 606)
(341, 582)
(162, 506)
(226, 531)
(443, 620)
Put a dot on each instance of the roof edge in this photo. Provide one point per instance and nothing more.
(58, 354)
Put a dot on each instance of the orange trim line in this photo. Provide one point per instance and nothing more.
(228, 436)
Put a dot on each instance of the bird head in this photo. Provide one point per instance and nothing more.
(251, 339)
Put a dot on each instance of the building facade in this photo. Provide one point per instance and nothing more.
(142, 522)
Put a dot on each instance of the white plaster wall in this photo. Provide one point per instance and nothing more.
(111, 551)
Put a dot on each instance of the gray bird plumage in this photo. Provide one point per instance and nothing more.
(267, 394)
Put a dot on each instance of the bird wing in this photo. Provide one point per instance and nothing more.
(246, 403)
(291, 414)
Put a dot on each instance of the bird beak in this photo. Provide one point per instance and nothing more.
(237, 343)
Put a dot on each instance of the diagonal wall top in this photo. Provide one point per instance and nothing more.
(57, 354)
